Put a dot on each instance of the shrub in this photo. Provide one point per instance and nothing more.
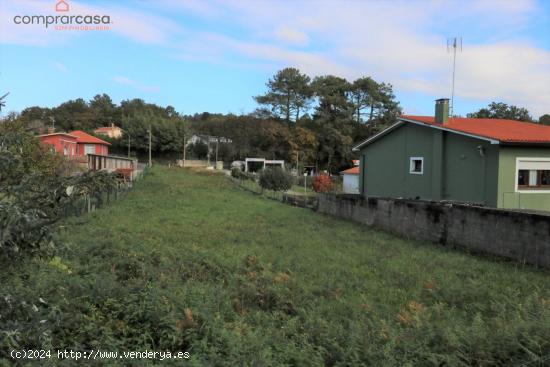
(322, 183)
(275, 179)
(236, 172)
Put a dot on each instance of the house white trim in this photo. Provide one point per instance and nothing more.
(531, 163)
(411, 165)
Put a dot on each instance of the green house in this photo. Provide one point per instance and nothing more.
(490, 162)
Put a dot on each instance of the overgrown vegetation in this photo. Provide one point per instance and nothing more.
(34, 193)
(239, 280)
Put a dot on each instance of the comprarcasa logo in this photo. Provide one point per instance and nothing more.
(63, 19)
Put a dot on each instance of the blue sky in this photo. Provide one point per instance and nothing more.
(214, 56)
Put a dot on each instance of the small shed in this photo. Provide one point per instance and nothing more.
(256, 164)
(351, 180)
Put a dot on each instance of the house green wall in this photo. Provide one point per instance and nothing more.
(507, 195)
(454, 169)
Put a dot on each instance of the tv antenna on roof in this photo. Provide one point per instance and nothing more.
(453, 44)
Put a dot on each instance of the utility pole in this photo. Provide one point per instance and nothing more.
(217, 141)
(128, 145)
(184, 149)
(150, 161)
(208, 154)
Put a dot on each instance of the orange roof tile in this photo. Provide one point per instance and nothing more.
(506, 131)
(83, 137)
(351, 171)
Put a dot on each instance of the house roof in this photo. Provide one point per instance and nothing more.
(351, 171)
(506, 131)
(83, 137)
(496, 131)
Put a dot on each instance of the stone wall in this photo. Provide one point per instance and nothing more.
(521, 236)
(192, 163)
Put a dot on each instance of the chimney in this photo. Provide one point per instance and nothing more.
(442, 110)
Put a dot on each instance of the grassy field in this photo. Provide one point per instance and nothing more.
(190, 262)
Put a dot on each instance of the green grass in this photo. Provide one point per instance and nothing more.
(301, 191)
(189, 261)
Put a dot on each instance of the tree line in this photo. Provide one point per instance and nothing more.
(305, 121)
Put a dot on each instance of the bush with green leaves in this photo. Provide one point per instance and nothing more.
(275, 179)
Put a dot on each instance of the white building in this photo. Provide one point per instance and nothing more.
(255, 164)
(351, 180)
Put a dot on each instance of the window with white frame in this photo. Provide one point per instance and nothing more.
(89, 149)
(532, 174)
(416, 166)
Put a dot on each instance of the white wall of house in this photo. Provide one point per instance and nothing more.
(351, 184)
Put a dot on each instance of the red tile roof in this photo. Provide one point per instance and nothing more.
(351, 171)
(82, 137)
(506, 131)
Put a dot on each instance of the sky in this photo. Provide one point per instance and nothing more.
(199, 55)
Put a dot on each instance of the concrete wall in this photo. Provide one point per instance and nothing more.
(515, 235)
(193, 163)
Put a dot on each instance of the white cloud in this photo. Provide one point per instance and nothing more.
(292, 36)
(139, 26)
